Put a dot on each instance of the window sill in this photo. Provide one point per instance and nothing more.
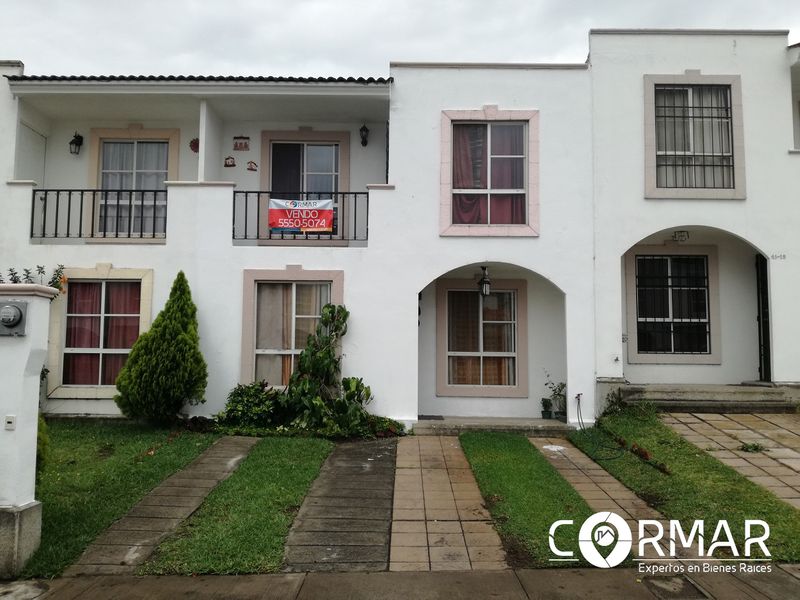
(489, 231)
(82, 392)
(674, 359)
(695, 194)
(481, 391)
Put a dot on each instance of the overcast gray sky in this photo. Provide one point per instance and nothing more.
(337, 37)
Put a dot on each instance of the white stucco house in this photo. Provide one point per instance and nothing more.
(635, 215)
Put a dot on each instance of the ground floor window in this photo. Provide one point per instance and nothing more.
(672, 315)
(286, 314)
(481, 341)
(102, 323)
(672, 304)
(481, 338)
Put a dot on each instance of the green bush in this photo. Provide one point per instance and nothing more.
(250, 405)
(165, 368)
(317, 400)
(42, 446)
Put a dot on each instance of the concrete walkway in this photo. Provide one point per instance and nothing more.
(133, 538)
(776, 467)
(439, 521)
(522, 584)
(343, 524)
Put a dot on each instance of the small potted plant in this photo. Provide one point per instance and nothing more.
(558, 397)
(547, 404)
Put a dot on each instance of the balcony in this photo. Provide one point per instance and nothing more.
(350, 225)
(99, 214)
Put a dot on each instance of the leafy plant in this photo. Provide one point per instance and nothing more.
(250, 405)
(317, 399)
(547, 404)
(165, 369)
(558, 393)
(752, 447)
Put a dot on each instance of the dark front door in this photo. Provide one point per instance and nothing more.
(762, 290)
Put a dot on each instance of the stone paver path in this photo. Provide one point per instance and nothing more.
(131, 539)
(777, 467)
(344, 522)
(600, 490)
(439, 521)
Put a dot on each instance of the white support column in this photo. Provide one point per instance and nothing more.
(22, 357)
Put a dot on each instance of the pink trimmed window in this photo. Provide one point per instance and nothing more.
(102, 325)
(490, 173)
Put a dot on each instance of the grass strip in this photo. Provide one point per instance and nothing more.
(699, 487)
(242, 525)
(95, 472)
(525, 494)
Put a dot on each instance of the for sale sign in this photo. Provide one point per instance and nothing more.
(300, 216)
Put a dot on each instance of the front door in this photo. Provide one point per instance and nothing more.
(762, 290)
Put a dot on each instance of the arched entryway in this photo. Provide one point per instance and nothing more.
(695, 308)
(489, 356)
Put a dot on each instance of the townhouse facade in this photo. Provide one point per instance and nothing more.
(494, 227)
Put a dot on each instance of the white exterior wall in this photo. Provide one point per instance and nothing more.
(68, 171)
(404, 227)
(623, 217)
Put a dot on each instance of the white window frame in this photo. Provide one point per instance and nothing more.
(520, 388)
(489, 113)
(304, 167)
(482, 353)
(690, 78)
(99, 350)
(292, 273)
(489, 190)
(58, 327)
(293, 351)
(714, 357)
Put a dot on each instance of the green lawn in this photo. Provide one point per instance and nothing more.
(95, 472)
(242, 525)
(700, 487)
(525, 494)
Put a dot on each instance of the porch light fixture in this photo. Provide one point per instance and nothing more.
(75, 143)
(485, 284)
(364, 133)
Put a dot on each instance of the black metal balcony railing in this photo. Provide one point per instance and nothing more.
(350, 217)
(99, 214)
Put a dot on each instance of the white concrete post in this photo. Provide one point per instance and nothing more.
(22, 357)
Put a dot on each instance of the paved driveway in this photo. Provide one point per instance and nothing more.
(775, 466)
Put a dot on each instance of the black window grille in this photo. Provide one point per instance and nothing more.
(694, 136)
(672, 314)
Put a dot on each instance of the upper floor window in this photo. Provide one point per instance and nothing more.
(694, 136)
(134, 165)
(489, 173)
(304, 167)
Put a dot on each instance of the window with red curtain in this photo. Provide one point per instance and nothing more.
(102, 325)
(489, 178)
(481, 338)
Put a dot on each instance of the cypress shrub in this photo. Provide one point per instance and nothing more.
(165, 368)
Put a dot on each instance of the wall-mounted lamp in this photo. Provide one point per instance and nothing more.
(485, 284)
(75, 143)
(364, 133)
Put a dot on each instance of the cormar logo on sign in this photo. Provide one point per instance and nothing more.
(607, 530)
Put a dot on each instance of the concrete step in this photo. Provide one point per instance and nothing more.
(713, 398)
(528, 427)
